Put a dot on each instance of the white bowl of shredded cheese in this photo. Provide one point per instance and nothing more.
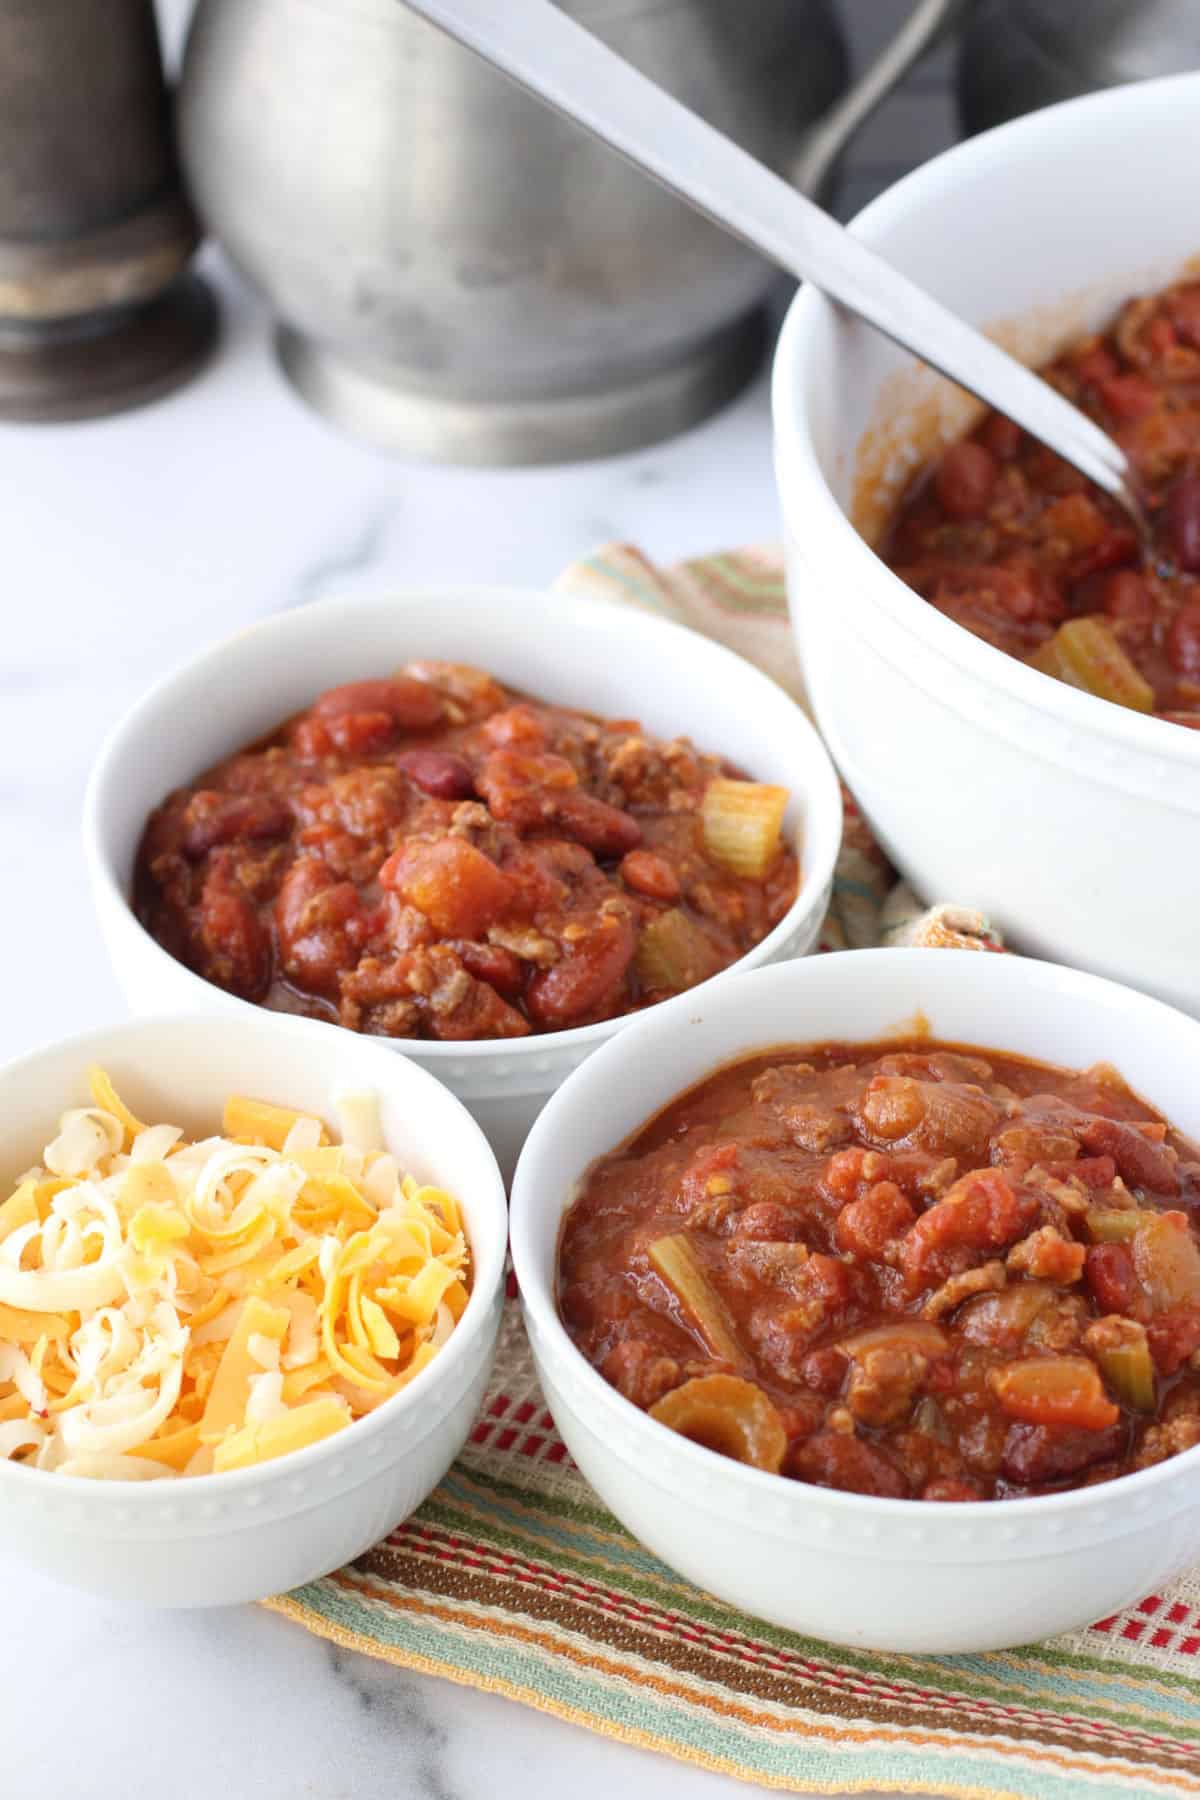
(251, 1277)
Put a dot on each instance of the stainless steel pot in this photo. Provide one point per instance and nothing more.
(1021, 54)
(462, 275)
(98, 309)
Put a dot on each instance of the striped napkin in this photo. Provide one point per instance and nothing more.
(513, 1578)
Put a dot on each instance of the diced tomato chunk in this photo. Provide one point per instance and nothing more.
(982, 1212)
(844, 1172)
(650, 874)
(708, 1176)
(459, 889)
(1173, 1337)
(359, 733)
(866, 1227)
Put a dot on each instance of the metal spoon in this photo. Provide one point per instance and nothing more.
(560, 62)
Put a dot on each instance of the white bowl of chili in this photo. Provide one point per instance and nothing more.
(857, 1568)
(218, 1538)
(1073, 821)
(615, 662)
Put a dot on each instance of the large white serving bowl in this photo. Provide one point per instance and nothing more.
(889, 1574)
(610, 660)
(1073, 822)
(213, 1540)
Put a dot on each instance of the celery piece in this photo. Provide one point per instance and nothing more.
(674, 952)
(676, 1261)
(1128, 1368)
(1113, 1225)
(1085, 654)
(741, 822)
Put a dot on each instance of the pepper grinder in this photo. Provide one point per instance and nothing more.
(98, 309)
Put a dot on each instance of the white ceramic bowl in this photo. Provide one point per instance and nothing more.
(610, 660)
(891, 1574)
(217, 1539)
(1073, 822)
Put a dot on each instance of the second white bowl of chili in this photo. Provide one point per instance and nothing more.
(1074, 821)
(293, 884)
(805, 1247)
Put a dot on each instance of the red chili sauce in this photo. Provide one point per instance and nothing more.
(430, 855)
(1005, 538)
(918, 1270)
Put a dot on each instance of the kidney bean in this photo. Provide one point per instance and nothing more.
(239, 955)
(650, 875)
(1111, 1278)
(1038, 1453)
(516, 728)
(1000, 435)
(1127, 396)
(584, 978)
(1139, 1162)
(1183, 640)
(493, 964)
(1181, 521)
(1125, 596)
(212, 819)
(1094, 363)
(964, 479)
(438, 772)
(410, 704)
(832, 1460)
(1184, 308)
(319, 922)
(604, 829)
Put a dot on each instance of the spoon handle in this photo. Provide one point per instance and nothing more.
(544, 51)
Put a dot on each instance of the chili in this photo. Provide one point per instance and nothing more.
(914, 1270)
(1007, 539)
(429, 854)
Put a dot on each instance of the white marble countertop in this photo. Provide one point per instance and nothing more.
(131, 543)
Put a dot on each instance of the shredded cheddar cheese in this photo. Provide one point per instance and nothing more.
(174, 1308)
